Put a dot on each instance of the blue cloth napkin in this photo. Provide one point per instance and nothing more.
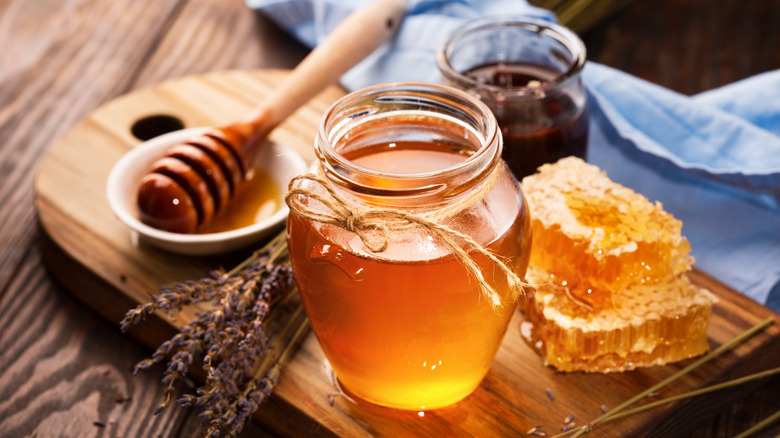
(712, 159)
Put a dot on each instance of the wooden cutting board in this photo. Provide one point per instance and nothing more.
(99, 261)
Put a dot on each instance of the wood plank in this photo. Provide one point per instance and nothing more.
(512, 398)
(211, 35)
(64, 372)
(689, 46)
(59, 63)
(53, 74)
(60, 60)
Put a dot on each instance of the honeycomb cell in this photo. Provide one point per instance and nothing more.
(649, 324)
(597, 237)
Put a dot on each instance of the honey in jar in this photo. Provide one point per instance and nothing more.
(528, 71)
(407, 326)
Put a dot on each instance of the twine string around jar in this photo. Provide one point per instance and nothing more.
(384, 220)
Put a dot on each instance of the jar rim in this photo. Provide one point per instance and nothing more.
(424, 94)
(560, 33)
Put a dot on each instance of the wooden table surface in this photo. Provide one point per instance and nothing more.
(65, 371)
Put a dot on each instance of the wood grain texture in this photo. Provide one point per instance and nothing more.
(512, 398)
(62, 59)
(67, 372)
(689, 46)
(215, 35)
(64, 371)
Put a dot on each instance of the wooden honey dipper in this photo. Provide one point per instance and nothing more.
(196, 179)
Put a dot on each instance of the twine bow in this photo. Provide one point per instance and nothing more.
(383, 220)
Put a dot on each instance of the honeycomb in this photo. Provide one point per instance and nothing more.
(649, 324)
(596, 237)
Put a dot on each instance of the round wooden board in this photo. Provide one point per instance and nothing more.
(70, 185)
(96, 257)
(102, 263)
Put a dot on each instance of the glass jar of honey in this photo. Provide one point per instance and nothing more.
(528, 71)
(403, 241)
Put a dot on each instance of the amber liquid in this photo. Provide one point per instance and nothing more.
(258, 199)
(403, 329)
(535, 131)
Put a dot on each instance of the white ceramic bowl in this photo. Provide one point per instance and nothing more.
(280, 162)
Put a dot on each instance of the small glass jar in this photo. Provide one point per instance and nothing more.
(528, 72)
(407, 326)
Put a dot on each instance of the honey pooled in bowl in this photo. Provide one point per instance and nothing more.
(608, 269)
(258, 199)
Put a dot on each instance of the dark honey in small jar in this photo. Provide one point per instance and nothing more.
(528, 72)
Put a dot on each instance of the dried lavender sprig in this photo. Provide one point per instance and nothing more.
(697, 392)
(243, 353)
(173, 299)
(233, 415)
(760, 425)
(231, 336)
(278, 251)
(265, 379)
(683, 396)
(212, 321)
(249, 335)
(188, 338)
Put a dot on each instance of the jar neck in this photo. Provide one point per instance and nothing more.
(403, 129)
(560, 50)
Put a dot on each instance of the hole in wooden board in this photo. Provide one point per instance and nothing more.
(147, 128)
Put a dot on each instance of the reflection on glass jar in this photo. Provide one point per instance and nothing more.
(528, 72)
(406, 325)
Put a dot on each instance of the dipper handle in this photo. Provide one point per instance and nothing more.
(195, 180)
(351, 41)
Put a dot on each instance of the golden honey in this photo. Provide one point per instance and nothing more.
(649, 325)
(258, 199)
(408, 327)
(405, 333)
(609, 274)
(596, 238)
